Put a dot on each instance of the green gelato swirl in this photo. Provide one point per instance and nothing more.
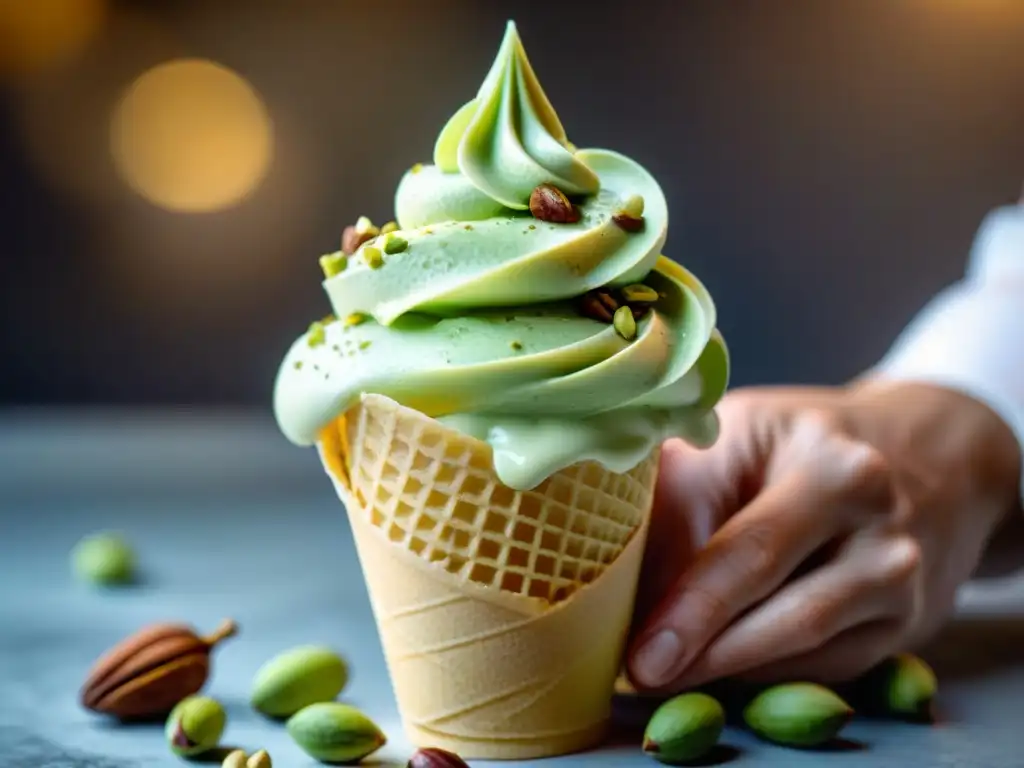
(474, 316)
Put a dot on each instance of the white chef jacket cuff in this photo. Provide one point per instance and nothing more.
(971, 337)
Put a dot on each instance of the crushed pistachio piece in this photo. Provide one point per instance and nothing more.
(516, 345)
(391, 226)
(333, 263)
(316, 335)
(468, 227)
(395, 244)
(416, 168)
(364, 344)
(532, 226)
(624, 323)
(639, 293)
(373, 258)
(365, 227)
(633, 206)
(298, 365)
(356, 318)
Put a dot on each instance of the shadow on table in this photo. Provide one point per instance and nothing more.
(975, 647)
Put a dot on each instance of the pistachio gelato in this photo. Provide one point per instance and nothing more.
(521, 297)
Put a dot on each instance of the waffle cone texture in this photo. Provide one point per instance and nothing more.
(503, 614)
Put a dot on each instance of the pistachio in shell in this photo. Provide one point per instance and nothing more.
(684, 728)
(903, 686)
(148, 673)
(260, 759)
(104, 559)
(297, 678)
(335, 733)
(235, 759)
(195, 726)
(797, 714)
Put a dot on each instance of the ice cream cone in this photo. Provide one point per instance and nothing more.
(503, 614)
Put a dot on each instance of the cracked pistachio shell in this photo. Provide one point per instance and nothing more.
(195, 726)
(297, 678)
(259, 759)
(335, 733)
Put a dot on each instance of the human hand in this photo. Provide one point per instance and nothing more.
(825, 530)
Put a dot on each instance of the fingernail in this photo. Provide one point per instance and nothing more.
(657, 658)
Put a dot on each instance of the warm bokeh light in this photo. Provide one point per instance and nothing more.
(191, 135)
(35, 34)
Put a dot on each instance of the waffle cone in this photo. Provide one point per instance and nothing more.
(503, 614)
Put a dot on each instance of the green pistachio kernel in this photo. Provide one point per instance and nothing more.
(624, 323)
(387, 229)
(633, 206)
(395, 244)
(316, 335)
(333, 263)
(373, 258)
(639, 294)
(365, 227)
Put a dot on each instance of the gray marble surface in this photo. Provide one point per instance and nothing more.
(229, 520)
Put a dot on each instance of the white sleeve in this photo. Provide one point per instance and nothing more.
(971, 336)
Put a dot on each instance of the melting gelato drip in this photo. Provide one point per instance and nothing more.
(470, 311)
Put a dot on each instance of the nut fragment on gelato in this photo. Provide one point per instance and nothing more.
(475, 300)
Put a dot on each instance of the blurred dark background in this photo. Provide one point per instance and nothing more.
(827, 163)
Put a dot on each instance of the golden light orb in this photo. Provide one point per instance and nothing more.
(191, 135)
(35, 34)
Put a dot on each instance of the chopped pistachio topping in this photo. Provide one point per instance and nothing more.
(365, 227)
(395, 244)
(468, 227)
(639, 293)
(316, 335)
(388, 228)
(364, 344)
(356, 318)
(624, 323)
(633, 206)
(333, 263)
(373, 258)
(416, 168)
(516, 345)
(298, 365)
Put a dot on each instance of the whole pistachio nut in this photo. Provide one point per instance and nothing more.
(797, 714)
(195, 726)
(297, 678)
(104, 559)
(235, 759)
(259, 759)
(335, 733)
(903, 686)
(684, 728)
